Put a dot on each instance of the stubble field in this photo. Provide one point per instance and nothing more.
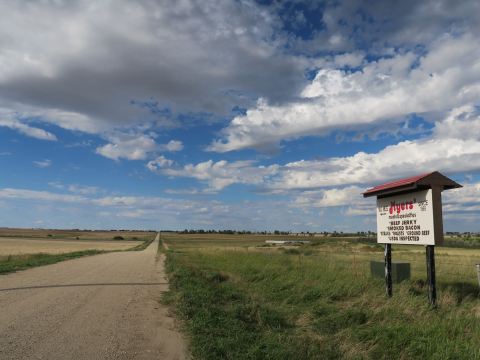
(24, 248)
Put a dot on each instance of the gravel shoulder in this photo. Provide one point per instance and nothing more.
(99, 307)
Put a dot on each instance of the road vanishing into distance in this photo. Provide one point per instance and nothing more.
(97, 307)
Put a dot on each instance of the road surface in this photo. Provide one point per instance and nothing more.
(98, 307)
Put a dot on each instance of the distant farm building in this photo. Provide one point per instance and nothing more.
(287, 242)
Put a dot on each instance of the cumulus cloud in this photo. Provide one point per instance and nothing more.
(222, 173)
(89, 66)
(131, 147)
(42, 163)
(453, 147)
(330, 197)
(172, 146)
(27, 130)
(159, 163)
(384, 91)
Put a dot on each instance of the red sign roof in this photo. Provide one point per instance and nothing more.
(426, 180)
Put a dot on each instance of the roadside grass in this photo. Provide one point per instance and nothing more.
(143, 245)
(13, 263)
(284, 304)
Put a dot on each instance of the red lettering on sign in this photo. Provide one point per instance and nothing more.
(398, 208)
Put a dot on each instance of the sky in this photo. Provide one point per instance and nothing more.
(219, 114)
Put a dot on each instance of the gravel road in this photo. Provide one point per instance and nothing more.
(98, 307)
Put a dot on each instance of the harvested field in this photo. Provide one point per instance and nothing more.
(48, 241)
(18, 246)
(75, 234)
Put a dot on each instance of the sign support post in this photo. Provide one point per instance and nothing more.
(388, 270)
(432, 286)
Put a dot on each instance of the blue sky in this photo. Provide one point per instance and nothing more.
(256, 115)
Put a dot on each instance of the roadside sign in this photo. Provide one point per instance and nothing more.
(406, 219)
(409, 211)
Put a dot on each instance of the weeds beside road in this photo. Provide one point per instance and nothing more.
(317, 302)
(13, 263)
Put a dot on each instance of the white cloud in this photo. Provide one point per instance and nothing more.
(463, 197)
(349, 59)
(53, 65)
(387, 90)
(131, 147)
(330, 197)
(453, 147)
(83, 190)
(190, 191)
(172, 146)
(402, 159)
(43, 163)
(450, 149)
(25, 194)
(136, 146)
(57, 185)
(159, 163)
(75, 188)
(27, 130)
(220, 174)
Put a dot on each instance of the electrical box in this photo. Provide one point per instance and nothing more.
(400, 270)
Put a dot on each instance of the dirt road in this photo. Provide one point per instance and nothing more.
(99, 307)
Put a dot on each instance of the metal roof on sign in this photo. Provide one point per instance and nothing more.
(412, 183)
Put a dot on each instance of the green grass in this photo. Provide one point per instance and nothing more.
(14, 263)
(282, 304)
(143, 245)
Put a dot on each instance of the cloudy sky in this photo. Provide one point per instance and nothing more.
(237, 114)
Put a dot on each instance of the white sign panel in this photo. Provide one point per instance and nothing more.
(406, 219)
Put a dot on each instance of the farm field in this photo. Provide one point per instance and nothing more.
(74, 234)
(17, 246)
(240, 299)
(32, 241)
(25, 248)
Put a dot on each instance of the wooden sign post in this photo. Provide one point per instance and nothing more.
(409, 211)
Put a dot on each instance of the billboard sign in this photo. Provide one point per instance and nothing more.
(406, 219)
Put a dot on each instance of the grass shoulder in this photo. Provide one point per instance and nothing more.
(284, 305)
(12, 263)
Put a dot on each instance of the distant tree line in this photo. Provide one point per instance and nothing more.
(277, 232)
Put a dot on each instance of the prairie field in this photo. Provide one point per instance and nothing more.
(241, 299)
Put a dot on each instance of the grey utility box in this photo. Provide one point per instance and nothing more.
(400, 270)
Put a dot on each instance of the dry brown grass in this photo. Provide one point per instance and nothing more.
(17, 246)
(32, 241)
(73, 234)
